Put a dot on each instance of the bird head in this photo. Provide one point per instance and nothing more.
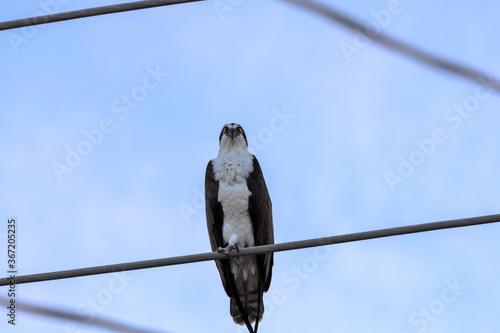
(232, 135)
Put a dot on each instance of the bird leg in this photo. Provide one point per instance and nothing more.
(226, 250)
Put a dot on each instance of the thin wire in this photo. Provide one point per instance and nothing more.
(354, 237)
(329, 13)
(88, 12)
(399, 46)
(68, 315)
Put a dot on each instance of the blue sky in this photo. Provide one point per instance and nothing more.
(141, 98)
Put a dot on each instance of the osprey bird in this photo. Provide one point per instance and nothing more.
(239, 214)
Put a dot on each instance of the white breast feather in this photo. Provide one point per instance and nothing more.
(232, 168)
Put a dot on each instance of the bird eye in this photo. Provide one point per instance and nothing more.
(225, 129)
(239, 129)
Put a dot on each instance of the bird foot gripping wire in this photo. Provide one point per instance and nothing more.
(227, 250)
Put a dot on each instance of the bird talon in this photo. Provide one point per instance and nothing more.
(227, 250)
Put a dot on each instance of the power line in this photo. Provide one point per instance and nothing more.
(334, 15)
(399, 46)
(77, 318)
(359, 236)
(76, 14)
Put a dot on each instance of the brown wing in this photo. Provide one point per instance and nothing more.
(215, 218)
(261, 213)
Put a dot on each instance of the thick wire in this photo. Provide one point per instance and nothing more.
(88, 12)
(354, 237)
(391, 43)
(331, 14)
(58, 313)
(334, 15)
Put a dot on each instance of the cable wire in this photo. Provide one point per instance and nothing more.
(88, 12)
(353, 237)
(59, 313)
(334, 15)
(399, 46)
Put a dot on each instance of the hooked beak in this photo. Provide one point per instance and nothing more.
(232, 133)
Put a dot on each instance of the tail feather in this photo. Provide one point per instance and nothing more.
(250, 305)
